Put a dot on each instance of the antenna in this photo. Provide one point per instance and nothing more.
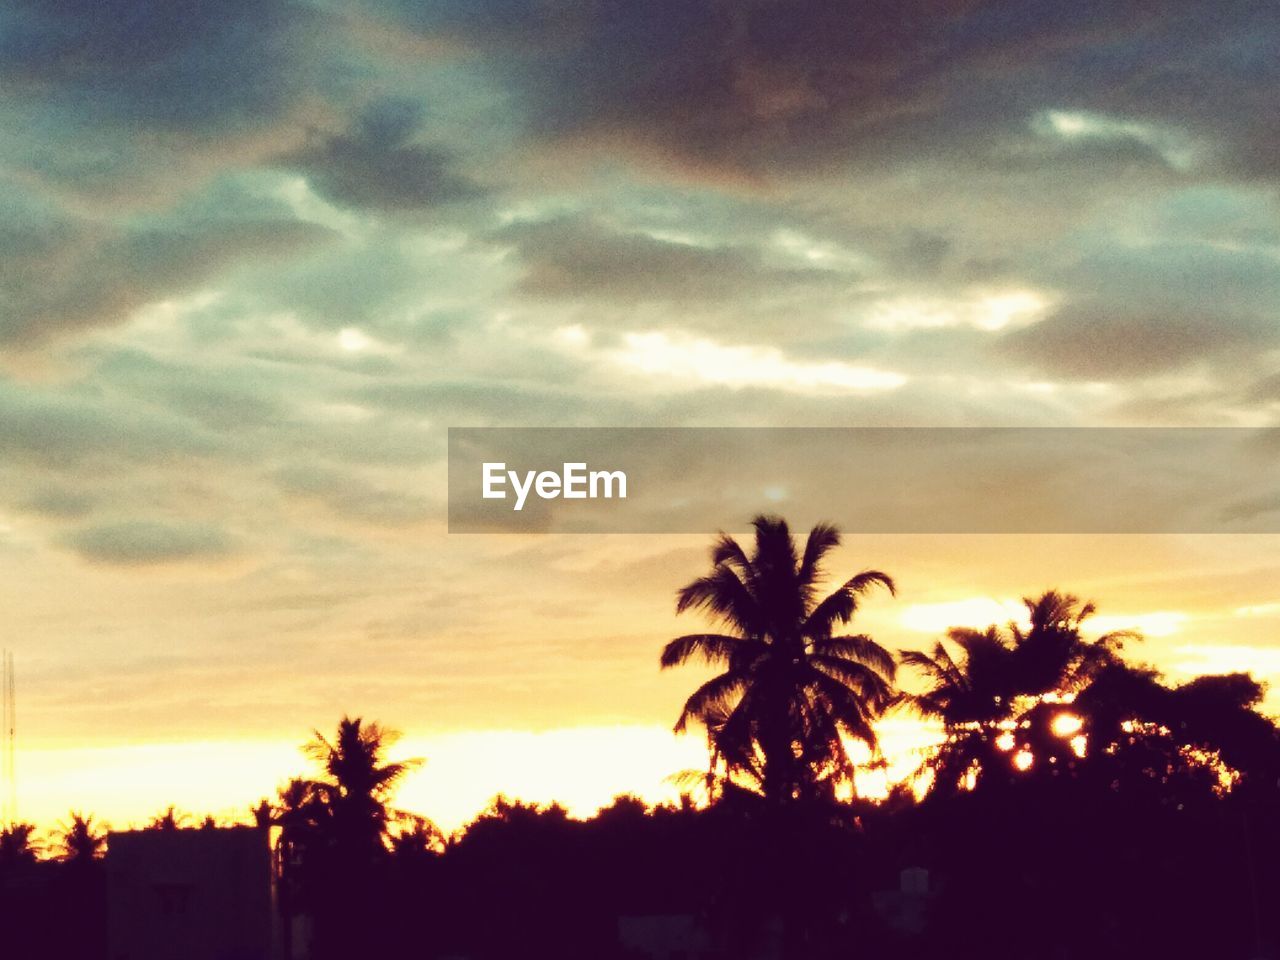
(10, 722)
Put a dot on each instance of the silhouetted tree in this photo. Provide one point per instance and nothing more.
(167, 819)
(80, 840)
(262, 814)
(18, 846)
(355, 792)
(417, 837)
(995, 694)
(341, 835)
(790, 688)
(1179, 744)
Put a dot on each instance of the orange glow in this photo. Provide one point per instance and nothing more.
(1079, 744)
(1066, 725)
(1005, 741)
(580, 767)
(1228, 778)
(1023, 759)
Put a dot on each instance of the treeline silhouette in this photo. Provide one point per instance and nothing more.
(1079, 805)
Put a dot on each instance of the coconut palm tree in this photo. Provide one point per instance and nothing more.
(997, 677)
(355, 792)
(81, 840)
(1052, 654)
(970, 691)
(344, 832)
(976, 687)
(18, 846)
(791, 688)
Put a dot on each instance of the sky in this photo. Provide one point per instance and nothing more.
(257, 256)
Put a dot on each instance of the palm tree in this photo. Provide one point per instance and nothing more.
(976, 688)
(1052, 656)
(81, 841)
(791, 689)
(18, 847)
(355, 792)
(344, 831)
(998, 681)
(971, 692)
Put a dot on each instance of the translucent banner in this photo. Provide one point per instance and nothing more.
(874, 480)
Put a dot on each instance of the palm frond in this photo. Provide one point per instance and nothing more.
(822, 539)
(846, 707)
(726, 551)
(713, 648)
(858, 678)
(715, 693)
(858, 648)
(840, 605)
(723, 594)
(926, 664)
(773, 543)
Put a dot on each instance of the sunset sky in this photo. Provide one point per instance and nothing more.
(256, 256)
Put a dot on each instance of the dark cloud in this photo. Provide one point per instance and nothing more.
(65, 275)
(1138, 310)
(130, 103)
(1107, 341)
(759, 87)
(177, 65)
(378, 165)
(144, 543)
(75, 429)
(583, 257)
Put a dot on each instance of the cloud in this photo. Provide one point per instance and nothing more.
(61, 274)
(1101, 340)
(697, 360)
(975, 612)
(145, 543)
(59, 503)
(1135, 310)
(79, 431)
(1264, 390)
(378, 165)
(1261, 662)
(767, 86)
(132, 102)
(477, 400)
(351, 496)
(175, 65)
(580, 256)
